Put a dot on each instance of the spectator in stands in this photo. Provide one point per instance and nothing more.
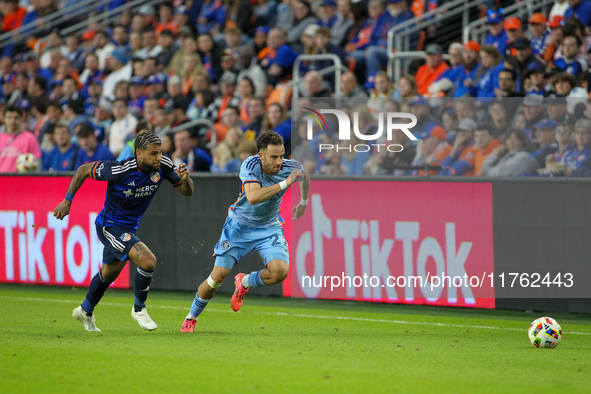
(507, 84)
(566, 85)
(465, 108)
(460, 158)
(122, 129)
(448, 80)
(210, 17)
(351, 161)
(487, 78)
(526, 59)
(156, 89)
(327, 15)
(239, 13)
(386, 161)
(514, 31)
(187, 151)
(92, 150)
(565, 146)
(73, 113)
(508, 159)
(470, 67)
(499, 118)
(198, 107)
(174, 89)
(419, 107)
(314, 86)
(538, 85)
(166, 42)
(381, 86)
(581, 9)
(246, 92)
(149, 46)
(226, 157)
(102, 116)
(120, 71)
(13, 15)
(76, 53)
(15, 140)
(256, 112)
(260, 39)
(376, 54)
(53, 113)
(103, 48)
(557, 111)
(485, 143)
(343, 23)
(65, 154)
(302, 18)
(434, 148)
(497, 36)
(91, 69)
(10, 95)
(350, 87)
(572, 61)
(210, 54)
(407, 87)
(546, 138)
(555, 25)
(230, 118)
(277, 58)
(37, 87)
(276, 119)
(578, 161)
(227, 97)
(540, 34)
(534, 112)
(253, 71)
(432, 69)
(558, 8)
(449, 121)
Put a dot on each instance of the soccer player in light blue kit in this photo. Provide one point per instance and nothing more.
(254, 223)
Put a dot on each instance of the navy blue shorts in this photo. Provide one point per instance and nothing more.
(117, 242)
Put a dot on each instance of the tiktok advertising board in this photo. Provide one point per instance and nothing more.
(401, 242)
(35, 247)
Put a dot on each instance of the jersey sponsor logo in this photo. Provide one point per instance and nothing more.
(125, 237)
(226, 245)
(155, 177)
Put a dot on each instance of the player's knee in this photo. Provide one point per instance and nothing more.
(149, 262)
(279, 272)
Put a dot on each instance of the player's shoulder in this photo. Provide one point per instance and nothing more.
(123, 166)
(252, 163)
(167, 161)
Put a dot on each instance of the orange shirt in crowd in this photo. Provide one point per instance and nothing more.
(13, 20)
(425, 76)
(437, 157)
(481, 155)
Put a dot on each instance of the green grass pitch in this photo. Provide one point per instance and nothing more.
(280, 346)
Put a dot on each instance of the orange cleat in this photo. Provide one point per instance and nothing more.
(189, 325)
(239, 292)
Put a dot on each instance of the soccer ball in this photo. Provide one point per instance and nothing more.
(545, 332)
(27, 162)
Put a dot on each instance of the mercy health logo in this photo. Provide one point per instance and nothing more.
(345, 130)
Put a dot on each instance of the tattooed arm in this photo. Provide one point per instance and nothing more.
(84, 171)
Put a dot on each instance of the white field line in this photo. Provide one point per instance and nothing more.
(294, 315)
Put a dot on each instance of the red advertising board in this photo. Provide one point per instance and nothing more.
(401, 242)
(37, 248)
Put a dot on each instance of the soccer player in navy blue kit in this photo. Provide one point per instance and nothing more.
(133, 183)
(254, 223)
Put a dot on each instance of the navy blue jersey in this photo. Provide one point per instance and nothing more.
(130, 191)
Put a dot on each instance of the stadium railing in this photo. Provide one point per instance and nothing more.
(401, 35)
(17, 36)
(477, 30)
(338, 65)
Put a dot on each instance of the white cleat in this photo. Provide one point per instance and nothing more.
(87, 321)
(143, 319)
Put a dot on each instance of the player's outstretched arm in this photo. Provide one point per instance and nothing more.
(186, 188)
(256, 194)
(83, 172)
(298, 210)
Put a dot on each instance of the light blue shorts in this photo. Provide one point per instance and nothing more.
(238, 239)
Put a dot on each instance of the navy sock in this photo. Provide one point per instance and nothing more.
(255, 280)
(198, 306)
(96, 290)
(142, 281)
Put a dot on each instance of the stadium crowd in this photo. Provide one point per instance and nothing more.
(511, 105)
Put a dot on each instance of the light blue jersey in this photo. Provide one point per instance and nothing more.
(264, 214)
(255, 227)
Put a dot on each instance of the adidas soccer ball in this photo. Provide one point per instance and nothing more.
(545, 332)
(27, 162)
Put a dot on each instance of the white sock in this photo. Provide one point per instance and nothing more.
(190, 317)
(245, 281)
